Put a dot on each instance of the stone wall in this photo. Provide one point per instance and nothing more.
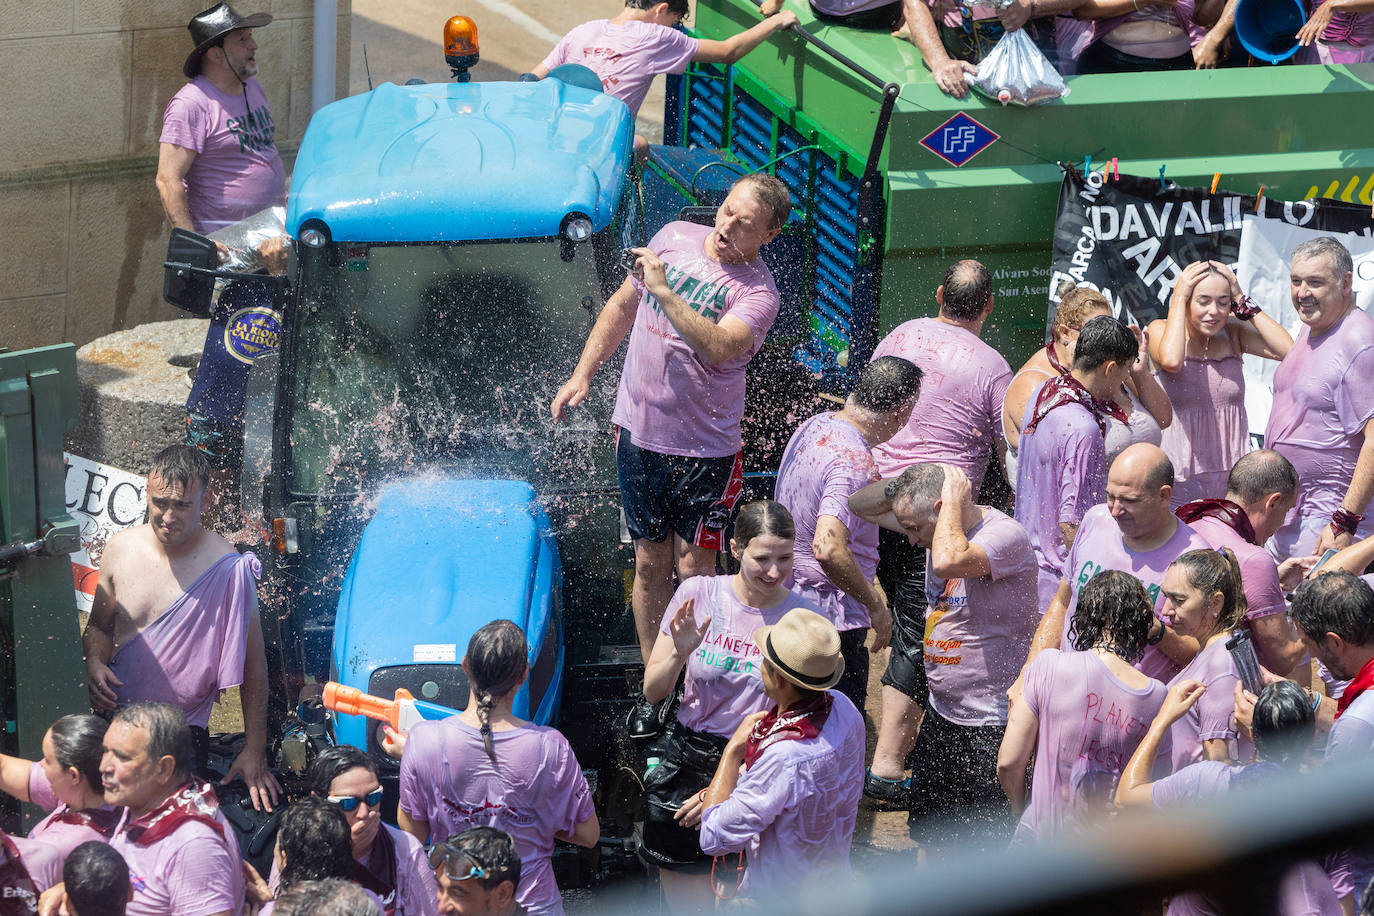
(82, 235)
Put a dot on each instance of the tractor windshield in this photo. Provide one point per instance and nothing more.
(444, 356)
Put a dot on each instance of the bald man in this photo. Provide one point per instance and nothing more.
(1135, 532)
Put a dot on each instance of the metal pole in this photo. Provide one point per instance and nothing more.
(323, 56)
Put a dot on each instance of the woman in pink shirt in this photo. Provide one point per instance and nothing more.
(65, 783)
(1198, 350)
(1081, 712)
(708, 629)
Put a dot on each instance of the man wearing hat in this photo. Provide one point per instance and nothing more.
(218, 161)
(793, 807)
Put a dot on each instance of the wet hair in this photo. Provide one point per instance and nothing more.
(168, 733)
(887, 385)
(1211, 571)
(763, 516)
(1259, 473)
(97, 880)
(330, 897)
(766, 189)
(967, 290)
(497, 659)
(181, 464)
(921, 483)
(78, 742)
(1335, 602)
(1115, 612)
(332, 763)
(315, 842)
(1283, 724)
(1104, 339)
(1076, 304)
(1337, 255)
(676, 6)
(494, 851)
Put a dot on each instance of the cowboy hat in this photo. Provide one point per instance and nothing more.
(211, 25)
(804, 648)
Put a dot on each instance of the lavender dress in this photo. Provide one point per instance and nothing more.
(1210, 431)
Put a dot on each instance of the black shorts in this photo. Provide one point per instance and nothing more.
(687, 764)
(854, 682)
(692, 497)
(958, 804)
(902, 574)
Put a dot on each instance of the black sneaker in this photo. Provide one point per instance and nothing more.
(645, 721)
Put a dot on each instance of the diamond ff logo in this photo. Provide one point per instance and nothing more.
(959, 139)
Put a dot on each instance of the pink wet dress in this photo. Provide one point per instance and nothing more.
(1211, 430)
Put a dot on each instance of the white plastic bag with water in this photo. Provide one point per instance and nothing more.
(1015, 72)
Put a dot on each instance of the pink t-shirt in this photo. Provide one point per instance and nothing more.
(1323, 397)
(723, 683)
(44, 865)
(958, 417)
(979, 630)
(533, 791)
(64, 837)
(1211, 716)
(237, 171)
(194, 872)
(670, 400)
(1259, 575)
(1061, 472)
(1090, 725)
(826, 462)
(627, 55)
(1099, 546)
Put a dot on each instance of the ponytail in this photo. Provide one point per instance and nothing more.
(1212, 571)
(496, 661)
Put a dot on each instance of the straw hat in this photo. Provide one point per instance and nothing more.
(209, 25)
(803, 647)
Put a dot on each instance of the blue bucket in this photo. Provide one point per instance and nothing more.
(1268, 28)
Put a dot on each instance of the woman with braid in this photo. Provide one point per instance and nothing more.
(485, 767)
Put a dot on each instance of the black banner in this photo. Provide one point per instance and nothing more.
(1130, 238)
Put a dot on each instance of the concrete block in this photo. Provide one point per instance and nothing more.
(292, 9)
(303, 39)
(36, 321)
(24, 20)
(157, 58)
(86, 121)
(34, 231)
(124, 16)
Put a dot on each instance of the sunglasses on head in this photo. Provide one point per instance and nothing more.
(447, 853)
(348, 803)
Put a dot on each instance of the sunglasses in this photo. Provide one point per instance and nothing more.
(349, 803)
(446, 853)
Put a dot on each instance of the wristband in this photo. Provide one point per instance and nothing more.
(1343, 521)
(1316, 701)
(1244, 308)
(1155, 640)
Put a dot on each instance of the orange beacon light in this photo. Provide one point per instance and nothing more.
(460, 46)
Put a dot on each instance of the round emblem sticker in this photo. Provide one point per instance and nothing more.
(252, 332)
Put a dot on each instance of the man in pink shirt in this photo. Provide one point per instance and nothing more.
(827, 460)
(218, 162)
(1136, 533)
(697, 307)
(1261, 490)
(1324, 405)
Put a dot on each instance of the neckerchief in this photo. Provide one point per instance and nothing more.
(194, 801)
(1065, 389)
(804, 720)
(382, 883)
(1054, 360)
(20, 896)
(1223, 510)
(102, 820)
(1362, 682)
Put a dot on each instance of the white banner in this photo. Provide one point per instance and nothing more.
(103, 500)
(1263, 269)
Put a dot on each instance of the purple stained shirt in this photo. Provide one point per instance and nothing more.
(826, 462)
(958, 417)
(1099, 546)
(1090, 724)
(1323, 397)
(62, 836)
(978, 630)
(1259, 574)
(42, 861)
(626, 56)
(1211, 429)
(793, 812)
(417, 890)
(195, 871)
(724, 683)
(1210, 718)
(535, 790)
(196, 647)
(237, 171)
(1352, 739)
(1061, 472)
(671, 400)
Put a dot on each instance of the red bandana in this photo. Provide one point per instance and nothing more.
(102, 820)
(1054, 360)
(194, 801)
(1223, 510)
(20, 895)
(1065, 389)
(1362, 682)
(804, 720)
